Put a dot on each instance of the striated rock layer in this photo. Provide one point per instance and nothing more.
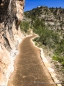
(11, 14)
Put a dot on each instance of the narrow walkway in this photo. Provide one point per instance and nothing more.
(29, 68)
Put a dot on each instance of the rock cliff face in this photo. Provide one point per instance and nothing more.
(53, 17)
(11, 14)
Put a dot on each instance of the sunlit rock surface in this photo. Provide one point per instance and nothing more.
(11, 14)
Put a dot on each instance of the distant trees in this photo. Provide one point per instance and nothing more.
(50, 38)
(24, 26)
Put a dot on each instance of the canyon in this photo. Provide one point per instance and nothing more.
(11, 15)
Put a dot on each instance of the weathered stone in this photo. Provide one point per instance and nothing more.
(11, 12)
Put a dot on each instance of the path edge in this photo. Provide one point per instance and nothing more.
(46, 63)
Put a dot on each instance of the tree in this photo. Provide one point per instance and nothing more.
(24, 26)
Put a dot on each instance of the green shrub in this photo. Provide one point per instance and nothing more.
(55, 58)
(49, 38)
(24, 26)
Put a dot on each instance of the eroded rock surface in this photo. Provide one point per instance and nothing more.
(11, 14)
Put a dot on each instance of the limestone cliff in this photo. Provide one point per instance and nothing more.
(11, 14)
(53, 17)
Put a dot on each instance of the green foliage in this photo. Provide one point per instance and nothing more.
(34, 13)
(24, 26)
(62, 63)
(59, 59)
(49, 38)
(55, 58)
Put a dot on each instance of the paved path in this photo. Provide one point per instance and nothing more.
(29, 68)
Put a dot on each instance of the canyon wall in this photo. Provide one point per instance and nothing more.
(11, 14)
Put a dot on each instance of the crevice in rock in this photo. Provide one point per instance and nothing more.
(7, 44)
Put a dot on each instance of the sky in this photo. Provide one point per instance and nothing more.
(30, 4)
